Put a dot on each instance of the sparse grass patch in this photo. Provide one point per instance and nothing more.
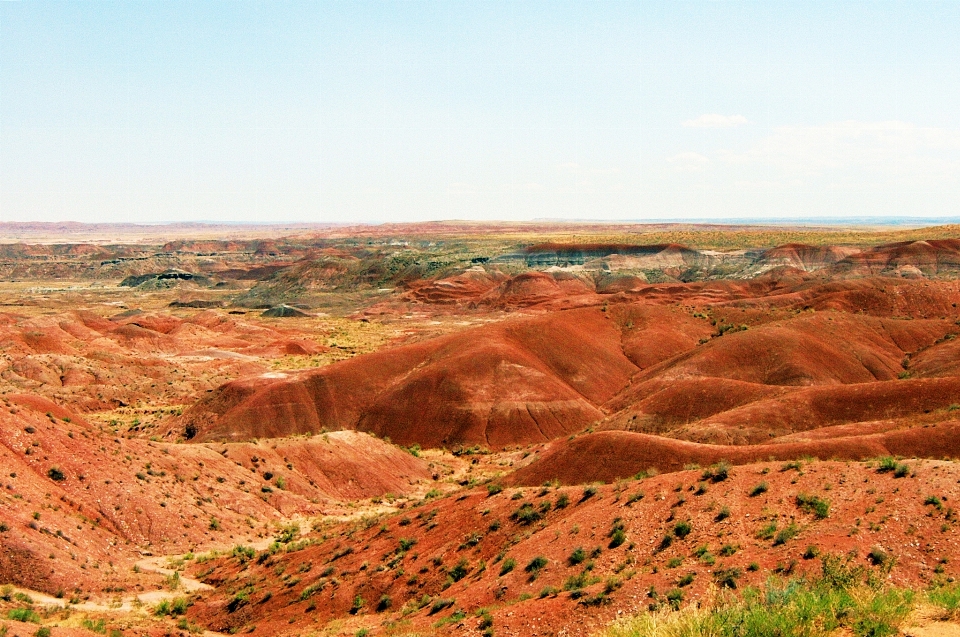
(717, 473)
(820, 507)
(813, 607)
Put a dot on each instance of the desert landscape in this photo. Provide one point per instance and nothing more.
(477, 428)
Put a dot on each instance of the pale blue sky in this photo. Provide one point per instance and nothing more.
(380, 111)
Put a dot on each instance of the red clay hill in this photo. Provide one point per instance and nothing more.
(516, 382)
(80, 504)
(757, 362)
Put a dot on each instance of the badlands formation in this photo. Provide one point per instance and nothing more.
(515, 429)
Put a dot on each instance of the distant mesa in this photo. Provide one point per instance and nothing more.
(284, 311)
(806, 257)
(198, 303)
(166, 279)
(637, 256)
(906, 258)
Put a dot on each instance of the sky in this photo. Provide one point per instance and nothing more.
(168, 111)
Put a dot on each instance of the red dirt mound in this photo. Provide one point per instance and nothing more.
(467, 286)
(511, 383)
(659, 405)
(809, 350)
(872, 296)
(75, 495)
(610, 455)
(532, 288)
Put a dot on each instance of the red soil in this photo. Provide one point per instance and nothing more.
(515, 382)
(625, 454)
(115, 497)
(457, 548)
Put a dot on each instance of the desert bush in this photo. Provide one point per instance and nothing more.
(786, 534)
(759, 489)
(717, 473)
(526, 514)
(577, 557)
(23, 615)
(441, 603)
(536, 565)
(820, 507)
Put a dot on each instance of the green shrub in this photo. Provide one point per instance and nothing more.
(886, 464)
(682, 529)
(727, 577)
(358, 603)
(767, 532)
(814, 504)
(577, 557)
(508, 565)
(243, 553)
(23, 615)
(934, 501)
(526, 514)
(459, 571)
(879, 557)
(98, 626)
(562, 501)
(56, 474)
(717, 473)
(675, 598)
(786, 534)
(441, 603)
(618, 537)
(759, 489)
(536, 565)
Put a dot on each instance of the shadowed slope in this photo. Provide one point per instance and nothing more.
(609, 455)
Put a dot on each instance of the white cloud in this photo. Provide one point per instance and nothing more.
(714, 120)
